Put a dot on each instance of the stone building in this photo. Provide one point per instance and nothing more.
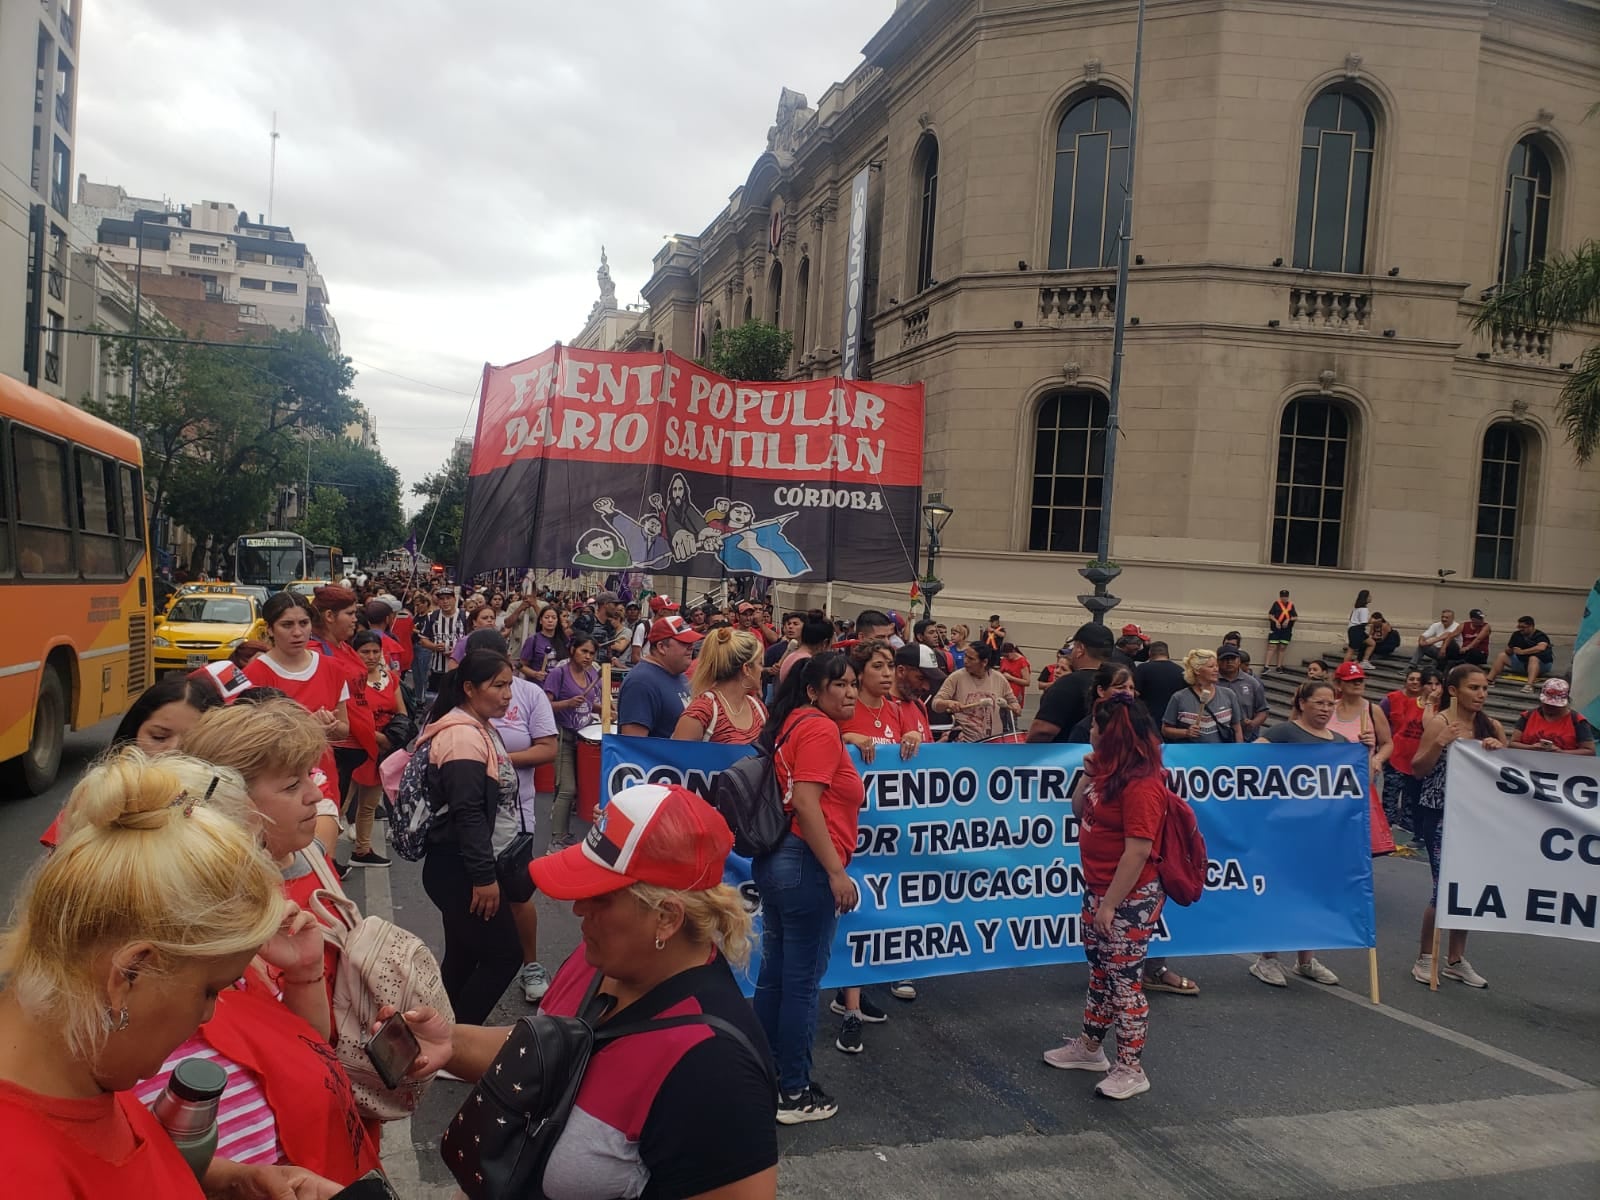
(1324, 193)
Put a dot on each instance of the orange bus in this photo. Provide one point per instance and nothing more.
(75, 592)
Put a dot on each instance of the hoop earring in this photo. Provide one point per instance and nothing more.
(115, 1024)
(660, 945)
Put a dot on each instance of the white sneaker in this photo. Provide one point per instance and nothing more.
(1315, 970)
(1269, 972)
(1078, 1055)
(535, 981)
(1461, 971)
(1422, 969)
(1124, 1083)
(904, 990)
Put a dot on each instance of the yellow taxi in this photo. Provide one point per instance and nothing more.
(307, 587)
(204, 625)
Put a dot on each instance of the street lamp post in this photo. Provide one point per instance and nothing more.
(935, 513)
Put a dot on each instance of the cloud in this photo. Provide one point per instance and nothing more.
(454, 168)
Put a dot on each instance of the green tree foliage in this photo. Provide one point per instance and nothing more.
(1560, 293)
(437, 523)
(367, 520)
(223, 427)
(754, 350)
(324, 520)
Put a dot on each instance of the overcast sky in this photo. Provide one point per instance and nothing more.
(453, 167)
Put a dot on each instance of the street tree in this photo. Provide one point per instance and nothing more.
(437, 524)
(223, 427)
(754, 350)
(368, 519)
(1560, 293)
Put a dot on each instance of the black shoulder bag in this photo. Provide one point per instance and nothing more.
(500, 1140)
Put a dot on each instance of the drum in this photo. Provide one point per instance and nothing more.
(1005, 739)
(588, 756)
(544, 778)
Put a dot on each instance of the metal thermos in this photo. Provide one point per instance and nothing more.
(187, 1110)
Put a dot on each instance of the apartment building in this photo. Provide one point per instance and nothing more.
(1324, 192)
(262, 268)
(38, 120)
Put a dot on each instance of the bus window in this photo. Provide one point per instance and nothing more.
(44, 530)
(132, 517)
(97, 524)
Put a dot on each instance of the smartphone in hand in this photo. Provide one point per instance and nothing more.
(371, 1186)
(392, 1050)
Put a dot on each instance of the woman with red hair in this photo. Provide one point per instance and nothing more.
(1121, 800)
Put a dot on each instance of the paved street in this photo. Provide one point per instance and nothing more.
(1308, 1091)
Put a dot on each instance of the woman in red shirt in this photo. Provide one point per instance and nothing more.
(727, 676)
(879, 720)
(1121, 800)
(335, 622)
(803, 884)
(153, 904)
(311, 680)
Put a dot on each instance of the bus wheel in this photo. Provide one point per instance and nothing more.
(36, 769)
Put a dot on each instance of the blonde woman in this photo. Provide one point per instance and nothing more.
(661, 933)
(1202, 713)
(958, 645)
(726, 678)
(154, 902)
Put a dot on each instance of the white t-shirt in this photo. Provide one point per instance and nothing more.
(1360, 616)
(1437, 629)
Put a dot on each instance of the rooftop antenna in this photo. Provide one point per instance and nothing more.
(272, 171)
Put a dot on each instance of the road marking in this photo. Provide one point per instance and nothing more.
(398, 1152)
(1487, 1049)
(1314, 1154)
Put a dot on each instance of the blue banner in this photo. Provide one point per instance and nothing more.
(967, 857)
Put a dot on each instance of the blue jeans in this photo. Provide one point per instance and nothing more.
(421, 664)
(797, 926)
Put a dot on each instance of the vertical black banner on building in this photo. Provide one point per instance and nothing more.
(855, 276)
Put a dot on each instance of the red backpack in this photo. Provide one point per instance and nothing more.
(1180, 853)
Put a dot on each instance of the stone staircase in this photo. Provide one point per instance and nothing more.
(1507, 701)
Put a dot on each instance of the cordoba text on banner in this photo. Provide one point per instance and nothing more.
(967, 856)
(1521, 843)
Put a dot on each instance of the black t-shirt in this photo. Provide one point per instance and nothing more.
(1066, 702)
(702, 1105)
(1520, 642)
(1157, 682)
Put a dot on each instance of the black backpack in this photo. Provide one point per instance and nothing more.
(500, 1140)
(747, 796)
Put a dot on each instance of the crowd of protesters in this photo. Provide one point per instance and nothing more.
(176, 913)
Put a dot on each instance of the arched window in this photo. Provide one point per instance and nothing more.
(1313, 477)
(1527, 227)
(802, 299)
(1091, 169)
(1500, 476)
(1069, 452)
(749, 307)
(1336, 161)
(775, 294)
(927, 162)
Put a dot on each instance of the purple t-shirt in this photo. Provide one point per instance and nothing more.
(560, 684)
(526, 721)
(536, 652)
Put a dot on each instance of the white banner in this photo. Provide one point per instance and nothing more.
(1521, 843)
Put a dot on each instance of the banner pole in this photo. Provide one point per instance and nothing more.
(1372, 972)
(827, 602)
(605, 697)
(1433, 973)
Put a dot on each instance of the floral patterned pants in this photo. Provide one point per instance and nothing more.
(1116, 969)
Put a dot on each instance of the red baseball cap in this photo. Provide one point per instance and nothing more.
(663, 835)
(660, 604)
(673, 629)
(1349, 671)
(1132, 630)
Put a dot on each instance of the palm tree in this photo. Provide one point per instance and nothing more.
(1561, 292)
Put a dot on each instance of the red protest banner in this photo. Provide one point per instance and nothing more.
(595, 459)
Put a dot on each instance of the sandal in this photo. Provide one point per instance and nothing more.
(1183, 987)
